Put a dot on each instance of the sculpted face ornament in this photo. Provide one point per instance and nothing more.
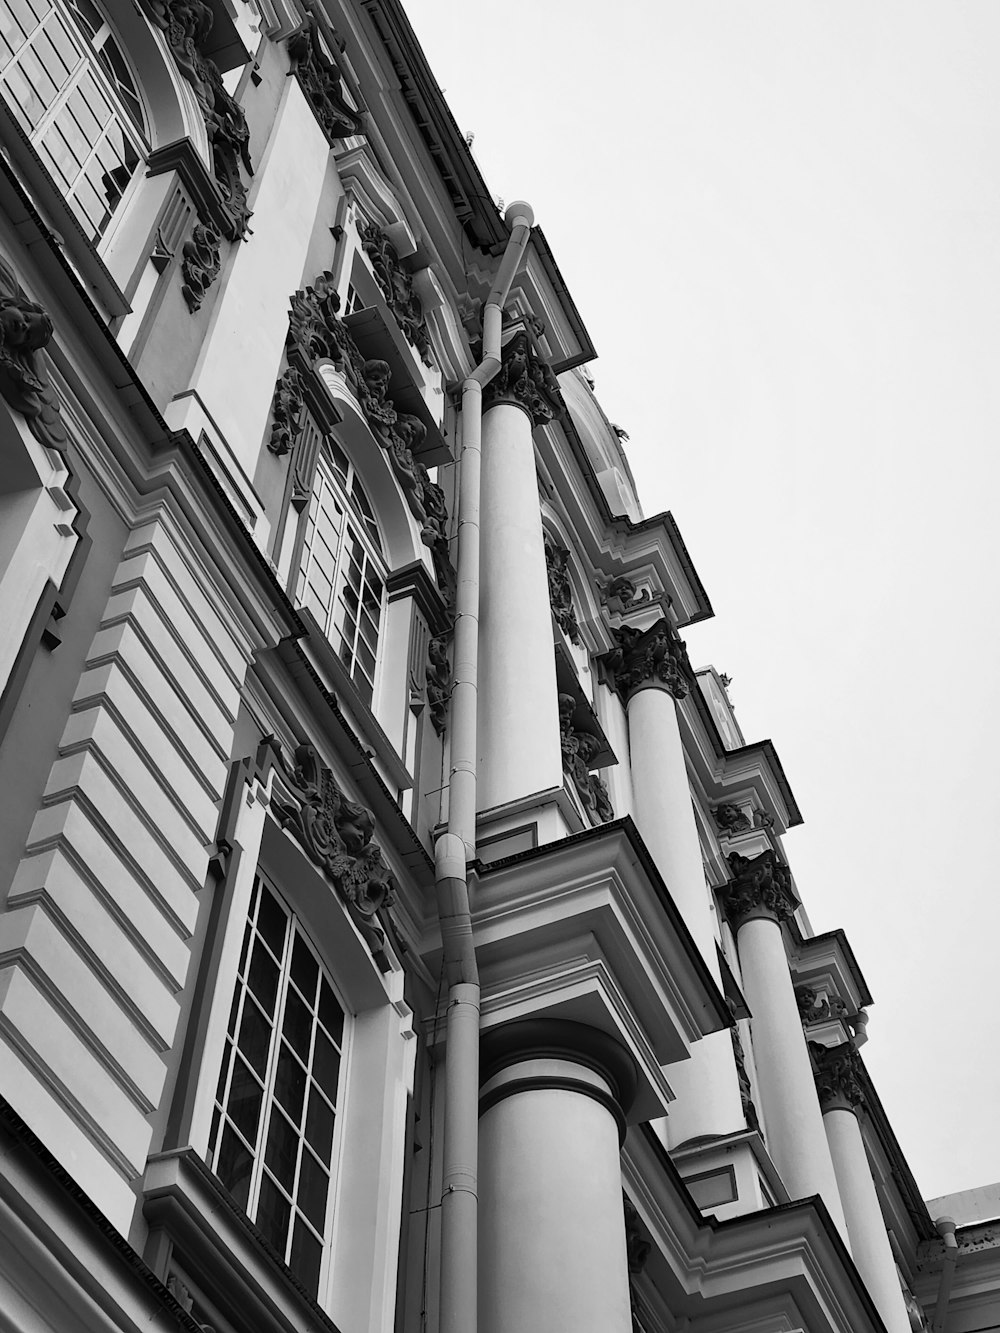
(25, 330)
(649, 656)
(761, 887)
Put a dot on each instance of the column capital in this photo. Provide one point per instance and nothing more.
(761, 887)
(837, 1070)
(524, 380)
(647, 657)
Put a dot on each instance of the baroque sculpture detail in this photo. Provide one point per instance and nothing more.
(25, 329)
(645, 655)
(746, 1092)
(731, 819)
(814, 1008)
(200, 263)
(578, 751)
(397, 288)
(286, 409)
(837, 1070)
(438, 681)
(319, 76)
(338, 836)
(560, 589)
(186, 25)
(525, 379)
(761, 886)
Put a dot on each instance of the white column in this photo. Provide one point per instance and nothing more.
(519, 750)
(706, 1086)
(789, 1107)
(865, 1223)
(552, 1226)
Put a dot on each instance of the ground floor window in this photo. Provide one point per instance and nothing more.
(274, 1126)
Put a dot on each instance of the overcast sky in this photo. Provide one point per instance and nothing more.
(780, 220)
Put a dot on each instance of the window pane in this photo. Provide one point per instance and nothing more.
(326, 1066)
(304, 969)
(313, 1185)
(233, 1166)
(282, 1149)
(264, 977)
(273, 1213)
(255, 1036)
(330, 1013)
(298, 1025)
(306, 1256)
(245, 1096)
(319, 1125)
(272, 922)
(290, 1083)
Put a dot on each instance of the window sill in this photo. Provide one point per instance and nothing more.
(222, 1248)
(27, 168)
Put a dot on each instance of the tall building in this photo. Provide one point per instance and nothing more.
(394, 923)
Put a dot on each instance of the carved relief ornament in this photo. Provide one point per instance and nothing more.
(560, 589)
(397, 288)
(338, 836)
(579, 749)
(837, 1070)
(525, 380)
(186, 24)
(761, 886)
(315, 66)
(25, 330)
(648, 656)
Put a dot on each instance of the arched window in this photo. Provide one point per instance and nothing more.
(66, 80)
(343, 569)
(272, 1143)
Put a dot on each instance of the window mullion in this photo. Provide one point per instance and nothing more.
(271, 1069)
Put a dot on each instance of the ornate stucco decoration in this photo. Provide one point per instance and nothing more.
(578, 751)
(286, 409)
(761, 886)
(731, 819)
(621, 595)
(186, 25)
(25, 330)
(837, 1070)
(338, 836)
(201, 260)
(743, 1078)
(560, 589)
(397, 288)
(314, 63)
(316, 332)
(648, 657)
(438, 681)
(817, 1008)
(525, 380)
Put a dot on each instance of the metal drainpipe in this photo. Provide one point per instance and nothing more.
(946, 1230)
(457, 847)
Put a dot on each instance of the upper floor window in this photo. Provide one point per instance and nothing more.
(66, 80)
(272, 1140)
(343, 568)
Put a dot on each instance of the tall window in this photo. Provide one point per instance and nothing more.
(341, 580)
(67, 82)
(276, 1104)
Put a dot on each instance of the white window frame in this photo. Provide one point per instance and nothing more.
(59, 13)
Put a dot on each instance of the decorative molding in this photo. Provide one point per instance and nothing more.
(25, 330)
(338, 836)
(525, 380)
(200, 263)
(578, 751)
(761, 887)
(314, 63)
(316, 332)
(621, 595)
(560, 589)
(186, 24)
(637, 1252)
(743, 1078)
(731, 819)
(656, 655)
(837, 1070)
(397, 288)
(286, 412)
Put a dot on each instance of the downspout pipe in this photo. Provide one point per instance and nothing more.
(946, 1230)
(457, 846)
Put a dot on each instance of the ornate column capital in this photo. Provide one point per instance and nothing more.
(526, 381)
(837, 1070)
(648, 657)
(761, 887)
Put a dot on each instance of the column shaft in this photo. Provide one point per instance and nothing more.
(706, 1086)
(865, 1224)
(793, 1122)
(519, 749)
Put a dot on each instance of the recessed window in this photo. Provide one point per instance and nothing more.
(66, 80)
(273, 1131)
(343, 570)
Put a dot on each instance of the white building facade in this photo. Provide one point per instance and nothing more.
(396, 931)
